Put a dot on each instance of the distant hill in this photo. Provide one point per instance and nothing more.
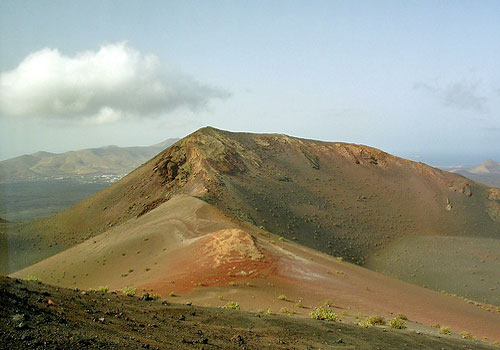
(488, 172)
(104, 164)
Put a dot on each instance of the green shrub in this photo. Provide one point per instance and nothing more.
(172, 294)
(364, 324)
(154, 296)
(232, 305)
(282, 297)
(284, 310)
(397, 323)
(320, 313)
(402, 317)
(372, 321)
(32, 278)
(376, 319)
(444, 330)
(130, 292)
(102, 289)
(467, 335)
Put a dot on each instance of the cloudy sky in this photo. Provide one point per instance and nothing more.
(420, 79)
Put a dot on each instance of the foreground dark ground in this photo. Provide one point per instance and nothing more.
(37, 316)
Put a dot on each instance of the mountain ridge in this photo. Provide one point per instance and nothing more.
(90, 163)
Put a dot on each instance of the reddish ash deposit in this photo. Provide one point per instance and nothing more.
(215, 259)
(233, 257)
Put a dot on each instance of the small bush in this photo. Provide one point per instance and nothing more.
(372, 321)
(320, 313)
(172, 294)
(402, 317)
(232, 305)
(364, 324)
(282, 239)
(284, 310)
(467, 335)
(437, 325)
(269, 311)
(444, 330)
(397, 323)
(376, 319)
(282, 297)
(102, 289)
(328, 302)
(154, 296)
(130, 292)
(32, 278)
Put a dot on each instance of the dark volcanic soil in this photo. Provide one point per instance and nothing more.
(37, 316)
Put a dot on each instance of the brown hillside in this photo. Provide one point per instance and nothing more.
(191, 249)
(343, 199)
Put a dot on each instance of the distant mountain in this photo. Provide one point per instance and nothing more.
(104, 164)
(488, 172)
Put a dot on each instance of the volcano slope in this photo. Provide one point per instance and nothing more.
(346, 200)
(107, 321)
(187, 250)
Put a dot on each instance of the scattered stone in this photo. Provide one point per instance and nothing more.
(146, 297)
(238, 339)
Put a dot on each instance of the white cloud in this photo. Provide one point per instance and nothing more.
(102, 86)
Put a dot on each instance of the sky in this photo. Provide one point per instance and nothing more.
(419, 79)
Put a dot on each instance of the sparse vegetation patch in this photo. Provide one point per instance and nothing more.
(397, 323)
(232, 305)
(129, 291)
(444, 330)
(321, 313)
(32, 278)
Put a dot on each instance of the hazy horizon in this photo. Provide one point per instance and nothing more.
(416, 79)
